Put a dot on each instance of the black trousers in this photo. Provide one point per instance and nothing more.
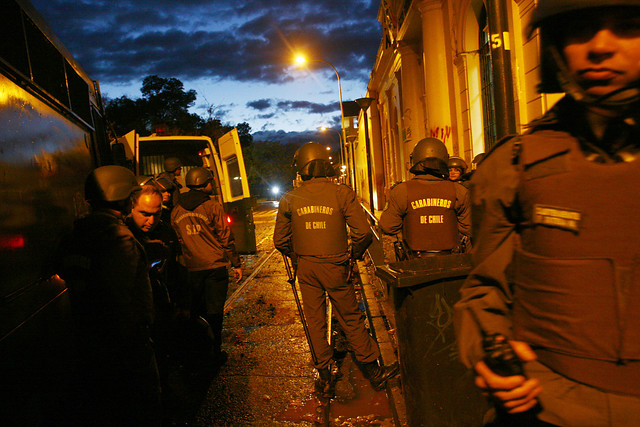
(208, 290)
(315, 278)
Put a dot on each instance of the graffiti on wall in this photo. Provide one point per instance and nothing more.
(443, 133)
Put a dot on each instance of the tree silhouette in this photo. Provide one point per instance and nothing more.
(163, 108)
(167, 105)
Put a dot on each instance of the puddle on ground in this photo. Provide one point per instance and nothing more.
(362, 407)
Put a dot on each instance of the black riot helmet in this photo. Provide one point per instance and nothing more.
(198, 177)
(171, 164)
(312, 161)
(457, 162)
(145, 180)
(430, 156)
(165, 185)
(476, 161)
(555, 78)
(109, 184)
(551, 8)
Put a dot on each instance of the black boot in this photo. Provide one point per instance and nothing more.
(378, 375)
(327, 379)
(323, 383)
(215, 322)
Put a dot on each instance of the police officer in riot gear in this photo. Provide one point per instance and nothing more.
(172, 169)
(543, 204)
(466, 177)
(106, 271)
(476, 161)
(208, 247)
(311, 227)
(173, 165)
(167, 188)
(457, 168)
(431, 211)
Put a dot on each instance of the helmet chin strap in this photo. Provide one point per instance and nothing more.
(617, 99)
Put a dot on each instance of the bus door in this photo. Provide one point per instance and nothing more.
(235, 191)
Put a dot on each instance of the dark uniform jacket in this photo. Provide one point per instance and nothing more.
(207, 240)
(160, 243)
(431, 212)
(106, 271)
(557, 252)
(162, 247)
(312, 222)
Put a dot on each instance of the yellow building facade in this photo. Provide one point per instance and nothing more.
(462, 71)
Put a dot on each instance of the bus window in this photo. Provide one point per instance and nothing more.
(235, 178)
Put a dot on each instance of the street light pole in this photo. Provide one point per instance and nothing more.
(302, 59)
(323, 128)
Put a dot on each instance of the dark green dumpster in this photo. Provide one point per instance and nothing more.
(437, 388)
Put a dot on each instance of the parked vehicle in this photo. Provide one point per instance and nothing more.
(146, 155)
(52, 134)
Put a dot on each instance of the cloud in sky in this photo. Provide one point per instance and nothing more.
(236, 54)
(260, 104)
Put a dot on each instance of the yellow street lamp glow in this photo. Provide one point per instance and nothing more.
(301, 60)
(328, 148)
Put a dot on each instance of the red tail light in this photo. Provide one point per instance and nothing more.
(12, 242)
(228, 219)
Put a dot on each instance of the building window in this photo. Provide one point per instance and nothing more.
(486, 76)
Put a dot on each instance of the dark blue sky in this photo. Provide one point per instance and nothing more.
(237, 55)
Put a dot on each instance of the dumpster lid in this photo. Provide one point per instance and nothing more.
(422, 271)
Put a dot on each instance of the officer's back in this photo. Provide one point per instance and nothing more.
(429, 210)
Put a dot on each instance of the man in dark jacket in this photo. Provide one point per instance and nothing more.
(162, 247)
(208, 248)
(431, 212)
(556, 273)
(311, 226)
(106, 271)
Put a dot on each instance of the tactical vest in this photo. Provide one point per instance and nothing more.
(318, 225)
(577, 268)
(431, 223)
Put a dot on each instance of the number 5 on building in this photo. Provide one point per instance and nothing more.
(496, 41)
